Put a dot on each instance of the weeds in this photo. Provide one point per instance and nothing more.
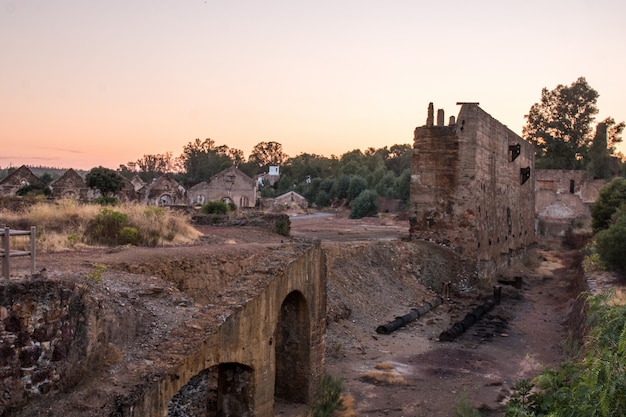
(464, 409)
(95, 276)
(328, 397)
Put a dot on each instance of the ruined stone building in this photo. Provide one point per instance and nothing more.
(17, 179)
(163, 191)
(72, 186)
(563, 197)
(229, 186)
(291, 200)
(472, 188)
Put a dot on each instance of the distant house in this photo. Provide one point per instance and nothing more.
(71, 186)
(291, 200)
(17, 179)
(229, 186)
(163, 191)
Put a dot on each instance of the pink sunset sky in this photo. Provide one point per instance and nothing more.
(85, 83)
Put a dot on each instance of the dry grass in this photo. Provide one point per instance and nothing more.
(347, 407)
(385, 373)
(63, 225)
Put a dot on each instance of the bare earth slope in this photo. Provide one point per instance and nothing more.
(374, 275)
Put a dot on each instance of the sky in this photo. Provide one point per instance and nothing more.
(86, 83)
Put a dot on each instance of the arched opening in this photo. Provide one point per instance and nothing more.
(293, 363)
(196, 398)
(224, 390)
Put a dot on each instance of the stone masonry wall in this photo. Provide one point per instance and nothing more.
(467, 190)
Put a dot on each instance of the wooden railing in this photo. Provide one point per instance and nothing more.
(6, 253)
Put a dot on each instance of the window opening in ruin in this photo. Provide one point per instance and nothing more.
(292, 341)
(514, 152)
(524, 174)
(571, 186)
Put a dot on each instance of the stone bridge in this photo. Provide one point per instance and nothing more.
(122, 340)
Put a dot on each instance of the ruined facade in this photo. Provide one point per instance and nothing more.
(71, 186)
(472, 188)
(19, 178)
(163, 191)
(229, 186)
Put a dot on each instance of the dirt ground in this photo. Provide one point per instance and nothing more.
(410, 372)
(372, 279)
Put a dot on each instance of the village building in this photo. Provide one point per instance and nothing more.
(472, 188)
(563, 198)
(229, 186)
(290, 201)
(21, 177)
(71, 186)
(164, 191)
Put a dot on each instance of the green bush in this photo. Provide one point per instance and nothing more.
(365, 205)
(106, 227)
(215, 207)
(611, 243)
(129, 236)
(611, 197)
(283, 226)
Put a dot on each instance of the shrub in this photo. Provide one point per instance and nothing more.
(328, 396)
(215, 207)
(283, 226)
(129, 236)
(106, 201)
(611, 244)
(106, 227)
(365, 205)
(611, 197)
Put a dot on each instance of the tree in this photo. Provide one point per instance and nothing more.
(265, 154)
(149, 167)
(610, 198)
(201, 160)
(611, 242)
(365, 205)
(106, 180)
(560, 124)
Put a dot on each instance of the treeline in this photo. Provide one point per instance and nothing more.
(383, 172)
(356, 178)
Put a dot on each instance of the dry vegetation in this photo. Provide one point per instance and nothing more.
(67, 224)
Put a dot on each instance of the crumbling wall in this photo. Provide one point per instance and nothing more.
(563, 198)
(53, 334)
(471, 188)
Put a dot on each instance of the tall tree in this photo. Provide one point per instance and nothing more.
(560, 125)
(201, 160)
(265, 154)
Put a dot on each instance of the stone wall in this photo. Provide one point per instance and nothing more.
(562, 198)
(51, 338)
(472, 188)
(251, 340)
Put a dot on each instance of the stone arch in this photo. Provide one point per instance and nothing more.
(165, 200)
(226, 389)
(293, 347)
